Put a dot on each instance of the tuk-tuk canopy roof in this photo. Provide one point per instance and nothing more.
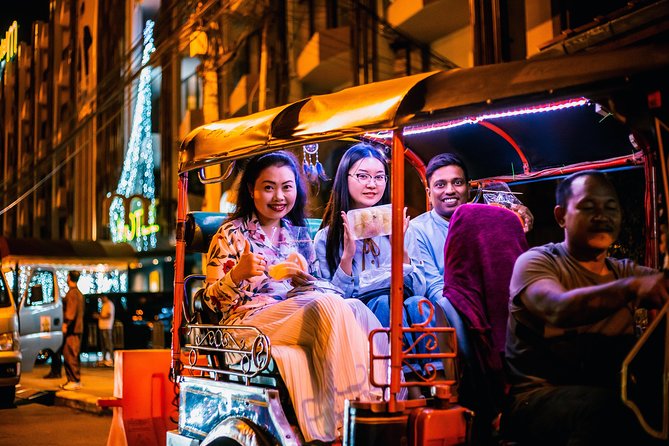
(424, 98)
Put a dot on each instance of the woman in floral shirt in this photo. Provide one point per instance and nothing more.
(319, 340)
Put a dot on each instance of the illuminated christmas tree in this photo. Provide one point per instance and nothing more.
(137, 182)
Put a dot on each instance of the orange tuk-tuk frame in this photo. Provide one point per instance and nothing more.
(397, 108)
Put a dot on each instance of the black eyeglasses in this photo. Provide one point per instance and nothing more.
(365, 178)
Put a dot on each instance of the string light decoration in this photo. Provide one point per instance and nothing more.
(445, 125)
(137, 177)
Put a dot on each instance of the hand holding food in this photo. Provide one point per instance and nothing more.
(299, 259)
(284, 270)
(525, 216)
(370, 222)
(349, 238)
(295, 268)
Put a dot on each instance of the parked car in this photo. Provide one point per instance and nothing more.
(142, 320)
(10, 351)
(40, 312)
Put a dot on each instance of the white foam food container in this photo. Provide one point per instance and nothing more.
(370, 222)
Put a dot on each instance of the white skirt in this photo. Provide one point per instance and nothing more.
(319, 342)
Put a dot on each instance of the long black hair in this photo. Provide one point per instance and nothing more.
(245, 204)
(340, 199)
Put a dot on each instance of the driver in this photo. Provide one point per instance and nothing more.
(571, 323)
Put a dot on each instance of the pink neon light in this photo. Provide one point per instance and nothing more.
(552, 106)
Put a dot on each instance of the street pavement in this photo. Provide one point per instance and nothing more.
(97, 382)
(39, 425)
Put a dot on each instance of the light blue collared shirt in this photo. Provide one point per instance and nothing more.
(377, 268)
(430, 230)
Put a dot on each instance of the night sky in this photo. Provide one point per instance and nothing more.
(25, 12)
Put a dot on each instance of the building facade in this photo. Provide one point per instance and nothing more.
(73, 98)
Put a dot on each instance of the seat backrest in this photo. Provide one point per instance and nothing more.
(200, 228)
(482, 246)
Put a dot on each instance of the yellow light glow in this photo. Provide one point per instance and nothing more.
(154, 281)
(9, 45)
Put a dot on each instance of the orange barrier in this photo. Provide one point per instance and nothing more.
(142, 400)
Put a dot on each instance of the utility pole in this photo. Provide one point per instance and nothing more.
(264, 56)
(209, 73)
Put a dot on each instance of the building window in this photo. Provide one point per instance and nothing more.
(191, 93)
(40, 289)
(336, 15)
(312, 17)
(331, 14)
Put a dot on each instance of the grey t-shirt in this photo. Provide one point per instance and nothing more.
(539, 353)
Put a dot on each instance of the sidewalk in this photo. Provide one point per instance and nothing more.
(97, 382)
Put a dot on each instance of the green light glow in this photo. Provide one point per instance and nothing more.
(137, 177)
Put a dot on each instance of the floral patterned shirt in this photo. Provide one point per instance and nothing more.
(238, 301)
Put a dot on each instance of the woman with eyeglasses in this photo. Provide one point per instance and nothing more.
(361, 268)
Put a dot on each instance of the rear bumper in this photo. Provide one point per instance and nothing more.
(10, 368)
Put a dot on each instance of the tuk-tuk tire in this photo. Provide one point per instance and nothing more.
(236, 432)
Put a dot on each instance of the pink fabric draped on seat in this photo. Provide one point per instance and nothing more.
(482, 246)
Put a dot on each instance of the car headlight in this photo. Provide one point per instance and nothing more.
(9, 341)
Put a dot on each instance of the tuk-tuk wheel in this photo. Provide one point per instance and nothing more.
(236, 432)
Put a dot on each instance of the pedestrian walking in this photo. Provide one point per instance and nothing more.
(105, 326)
(73, 328)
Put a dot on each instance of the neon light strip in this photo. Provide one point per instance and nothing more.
(543, 108)
(552, 106)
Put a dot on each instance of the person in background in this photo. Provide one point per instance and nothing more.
(73, 328)
(571, 324)
(105, 327)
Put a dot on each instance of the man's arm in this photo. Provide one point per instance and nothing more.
(548, 300)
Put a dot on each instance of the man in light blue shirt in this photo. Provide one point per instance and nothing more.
(448, 188)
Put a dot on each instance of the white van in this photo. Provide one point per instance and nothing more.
(40, 311)
(10, 351)
(35, 272)
(41, 286)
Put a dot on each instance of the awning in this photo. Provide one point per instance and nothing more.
(62, 249)
(236, 137)
(482, 88)
(349, 112)
(379, 105)
(517, 145)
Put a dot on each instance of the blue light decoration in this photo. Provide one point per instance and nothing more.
(137, 177)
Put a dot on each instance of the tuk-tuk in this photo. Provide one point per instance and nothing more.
(522, 123)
